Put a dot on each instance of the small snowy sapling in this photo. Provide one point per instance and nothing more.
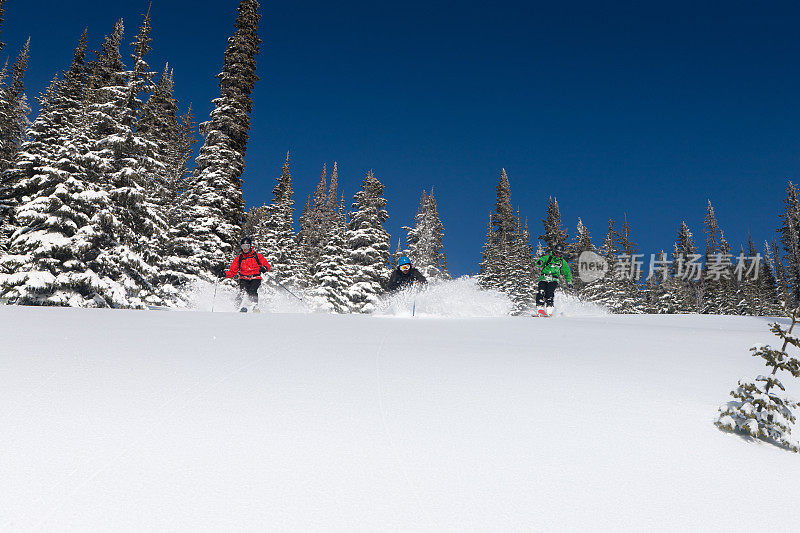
(759, 411)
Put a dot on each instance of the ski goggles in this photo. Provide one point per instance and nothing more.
(246, 247)
(405, 268)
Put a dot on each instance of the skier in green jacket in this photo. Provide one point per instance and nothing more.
(553, 267)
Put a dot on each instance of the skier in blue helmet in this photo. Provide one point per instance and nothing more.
(404, 276)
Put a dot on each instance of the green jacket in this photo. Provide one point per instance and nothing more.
(553, 267)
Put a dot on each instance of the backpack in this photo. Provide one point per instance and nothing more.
(550, 260)
(258, 261)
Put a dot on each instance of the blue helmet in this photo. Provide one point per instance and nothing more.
(403, 261)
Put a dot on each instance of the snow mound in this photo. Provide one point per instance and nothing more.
(458, 298)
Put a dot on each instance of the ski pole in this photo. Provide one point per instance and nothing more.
(282, 286)
(214, 301)
(414, 308)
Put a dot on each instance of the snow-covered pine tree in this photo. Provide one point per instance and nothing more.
(52, 256)
(779, 269)
(716, 283)
(424, 241)
(491, 267)
(333, 276)
(174, 139)
(757, 297)
(683, 291)
(745, 294)
(554, 233)
(367, 245)
(14, 121)
(316, 223)
(773, 269)
(176, 206)
(209, 236)
(607, 291)
(275, 235)
(659, 296)
(519, 284)
(127, 231)
(39, 248)
(493, 273)
(790, 239)
(254, 218)
(628, 276)
(332, 202)
(583, 240)
(757, 410)
(582, 243)
(159, 123)
(14, 110)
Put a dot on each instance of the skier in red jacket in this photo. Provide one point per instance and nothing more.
(249, 265)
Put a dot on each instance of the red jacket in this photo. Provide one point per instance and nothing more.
(249, 268)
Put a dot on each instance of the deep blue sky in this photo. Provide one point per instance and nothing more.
(642, 108)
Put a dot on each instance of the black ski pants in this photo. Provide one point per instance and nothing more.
(249, 287)
(546, 293)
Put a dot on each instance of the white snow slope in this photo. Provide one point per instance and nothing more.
(193, 421)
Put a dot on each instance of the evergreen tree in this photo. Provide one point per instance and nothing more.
(757, 410)
(14, 110)
(661, 295)
(159, 123)
(608, 290)
(582, 243)
(79, 247)
(628, 273)
(503, 219)
(59, 106)
(774, 270)
(424, 241)
(209, 237)
(780, 274)
(554, 233)
(583, 240)
(745, 296)
(333, 276)
(790, 238)
(716, 287)
(126, 232)
(496, 249)
(332, 204)
(173, 139)
(274, 233)
(367, 245)
(254, 219)
(683, 285)
(519, 285)
(491, 267)
(316, 223)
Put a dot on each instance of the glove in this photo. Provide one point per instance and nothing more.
(570, 285)
(263, 269)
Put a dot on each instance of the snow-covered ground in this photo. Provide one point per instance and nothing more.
(192, 421)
